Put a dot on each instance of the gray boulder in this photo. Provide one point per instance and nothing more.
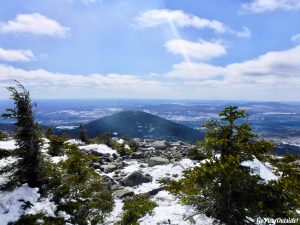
(161, 145)
(153, 161)
(108, 168)
(123, 193)
(135, 178)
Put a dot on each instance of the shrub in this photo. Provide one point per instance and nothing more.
(135, 208)
(38, 219)
(196, 154)
(3, 136)
(56, 144)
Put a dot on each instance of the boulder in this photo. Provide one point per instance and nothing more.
(135, 178)
(137, 155)
(161, 145)
(153, 161)
(123, 193)
(108, 168)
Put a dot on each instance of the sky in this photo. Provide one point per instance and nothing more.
(158, 49)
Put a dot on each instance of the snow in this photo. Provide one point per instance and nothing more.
(57, 159)
(261, 169)
(158, 172)
(74, 142)
(8, 145)
(100, 148)
(7, 161)
(171, 211)
(115, 213)
(11, 204)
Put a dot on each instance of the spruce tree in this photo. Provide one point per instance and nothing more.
(224, 189)
(27, 135)
(82, 135)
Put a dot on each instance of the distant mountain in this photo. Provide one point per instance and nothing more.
(141, 125)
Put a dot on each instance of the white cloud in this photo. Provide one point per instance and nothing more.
(259, 6)
(19, 55)
(296, 38)
(201, 50)
(195, 71)
(272, 68)
(155, 17)
(244, 33)
(82, 86)
(34, 23)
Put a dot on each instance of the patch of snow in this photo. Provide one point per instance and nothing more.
(101, 148)
(261, 169)
(11, 204)
(116, 213)
(57, 159)
(170, 211)
(74, 142)
(8, 145)
(7, 161)
(120, 141)
(158, 172)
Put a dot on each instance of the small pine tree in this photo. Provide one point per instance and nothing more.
(3, 135)
(27, 135)
(224, 189)
(82, 134)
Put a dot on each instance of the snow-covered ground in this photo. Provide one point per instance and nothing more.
(12, 204)
(169, 209)
(8, 145)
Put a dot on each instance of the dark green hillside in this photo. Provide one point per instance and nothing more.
(142, 125)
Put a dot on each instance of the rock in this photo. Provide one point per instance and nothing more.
(153, 161)
(161, 145)
(137, 155)
(96, 165)
(123, 193)
(108, 168)
(175, 175)
(107, 180)
(135, 178)
(155, 191)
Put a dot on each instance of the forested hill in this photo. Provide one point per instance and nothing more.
(141, 125)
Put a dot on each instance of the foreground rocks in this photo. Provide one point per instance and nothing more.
(135, 178)
(154, 161)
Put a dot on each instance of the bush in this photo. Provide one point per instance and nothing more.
(196, 154)
(38, 219)
(56, 144)
(135, 208)
(85, 198)
(3, 136)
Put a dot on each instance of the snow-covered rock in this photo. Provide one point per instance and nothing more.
(100, 148)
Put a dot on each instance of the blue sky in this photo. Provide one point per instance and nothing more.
(242, 50)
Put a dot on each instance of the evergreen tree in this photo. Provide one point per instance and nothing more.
(224, 189)
(82, 135)
(27, 135)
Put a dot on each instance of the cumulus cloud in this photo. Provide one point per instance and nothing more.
(272, 68)
(34, 23)
(259, 6)
(156, 17)
(201, 50)
(16, 55)
(96, 85)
